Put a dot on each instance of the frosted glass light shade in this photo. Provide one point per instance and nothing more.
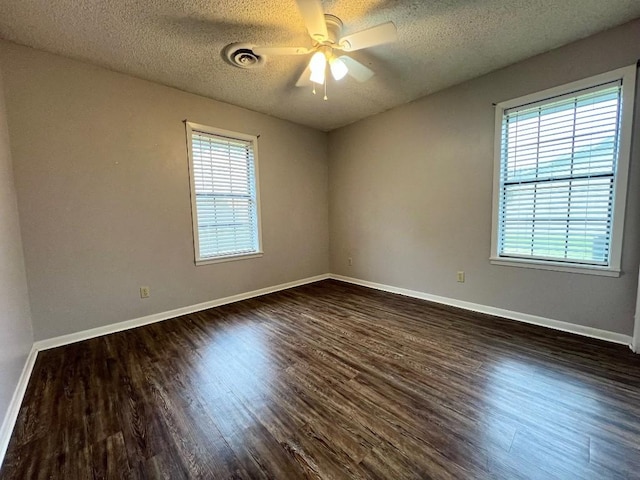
(338, 68)
(318, 65)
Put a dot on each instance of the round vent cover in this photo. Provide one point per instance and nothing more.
(241, 55)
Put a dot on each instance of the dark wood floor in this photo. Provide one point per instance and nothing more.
(336, 381)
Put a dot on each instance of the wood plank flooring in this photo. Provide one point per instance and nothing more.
(331, 381)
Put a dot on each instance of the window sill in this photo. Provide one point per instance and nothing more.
(228, 258)
(556, 266)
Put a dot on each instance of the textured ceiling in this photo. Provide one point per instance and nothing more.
(179, 43)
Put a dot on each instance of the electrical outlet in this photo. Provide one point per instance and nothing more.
(461, 277)
(145, 292)
(350, 260)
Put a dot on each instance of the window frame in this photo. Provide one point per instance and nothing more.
(190, 128)
(628, 77)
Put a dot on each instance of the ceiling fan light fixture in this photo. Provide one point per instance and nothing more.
(339, 69)
(318, 66)
(326, 32)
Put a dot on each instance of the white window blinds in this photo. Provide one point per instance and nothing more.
(224, 196)
(558, 164)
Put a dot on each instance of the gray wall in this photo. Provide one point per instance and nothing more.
(411, 195)
(103, 194)
(103, 191)
(16, 337)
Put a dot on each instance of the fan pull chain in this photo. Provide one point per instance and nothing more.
(325, 90)
(314, 88)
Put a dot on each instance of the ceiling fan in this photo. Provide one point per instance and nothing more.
(325, 31)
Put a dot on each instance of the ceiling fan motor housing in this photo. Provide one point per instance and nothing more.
(334, 28)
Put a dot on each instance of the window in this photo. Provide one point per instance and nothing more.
(560, 180)
(224, 194)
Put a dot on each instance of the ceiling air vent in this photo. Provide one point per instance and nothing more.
(241, 55)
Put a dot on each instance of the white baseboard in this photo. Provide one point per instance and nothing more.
(635, 343)
(16, 401)
(475, 307)
(159, 317)
(498, 312)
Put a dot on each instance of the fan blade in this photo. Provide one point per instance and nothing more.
(305, 78)
(280, 50)
(313, 17)
(383, 33)
(356, 69)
